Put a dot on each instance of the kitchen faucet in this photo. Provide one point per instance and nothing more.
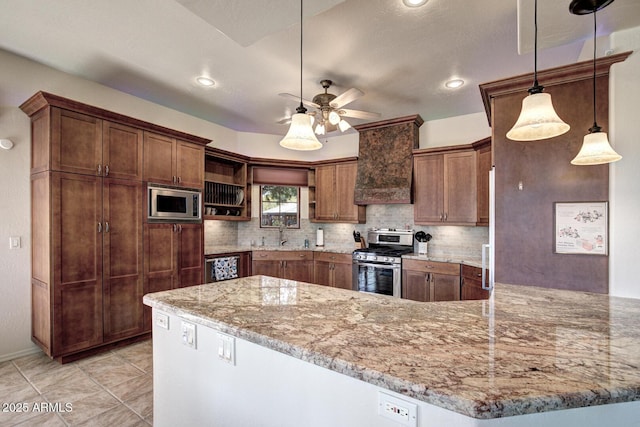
(281, 235)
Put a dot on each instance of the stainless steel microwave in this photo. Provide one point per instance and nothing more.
(173, 204)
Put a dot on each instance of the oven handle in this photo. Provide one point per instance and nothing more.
(366, 264)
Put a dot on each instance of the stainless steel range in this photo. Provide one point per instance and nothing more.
(377, 268)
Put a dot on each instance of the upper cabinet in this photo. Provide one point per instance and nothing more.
(227, 194)
(85, 144)
(451, 185)
(171, 161)
(331, 194)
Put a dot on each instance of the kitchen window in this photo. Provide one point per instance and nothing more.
(279, 206)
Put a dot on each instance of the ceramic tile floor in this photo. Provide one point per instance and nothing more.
(110, 389)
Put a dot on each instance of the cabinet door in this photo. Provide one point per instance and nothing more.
(460, 191)
(76, 202)
(342, 276)
(189, 165)
(190, 258)
(302, 271)
(76, 142)
(121, 151)
(322, 273)
(428, 186)
(415, 285)
(345, 189)
(325, 193)
(471, 286)
(159, 153)
(160, 261)
(123, 259)
(265, 268)
(444, 287)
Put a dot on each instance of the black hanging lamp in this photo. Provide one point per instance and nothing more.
(596, 149)
(538, 119)
(300, 135)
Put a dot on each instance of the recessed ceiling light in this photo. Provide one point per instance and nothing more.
(454, 83)
(414, 3)
(205, 81)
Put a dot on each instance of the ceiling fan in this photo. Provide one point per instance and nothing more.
(330, 115)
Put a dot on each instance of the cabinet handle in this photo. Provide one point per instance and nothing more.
(106, 170)
(106, 227)
(440, 216)
(175, 228)
(301, 255)
(99, 170)
(99, 227)
(445, 216)
(173, 179)
(179, 180)
(179, 228)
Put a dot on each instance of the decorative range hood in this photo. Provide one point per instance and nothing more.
(385, 160)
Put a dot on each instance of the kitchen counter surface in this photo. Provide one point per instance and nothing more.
(219, 250)
(474, 262)
(525, 350)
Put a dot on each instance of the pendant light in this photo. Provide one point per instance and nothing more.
(300, 135)
(538, 119)
(596, 149)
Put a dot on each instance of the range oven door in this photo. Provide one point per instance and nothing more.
(378, 278)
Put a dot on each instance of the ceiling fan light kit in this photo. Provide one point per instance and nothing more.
(595, 149)
(300, 135)
(538, 119)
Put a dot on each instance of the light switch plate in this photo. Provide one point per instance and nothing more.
(15, 242)
(189, 334)
(227, 348)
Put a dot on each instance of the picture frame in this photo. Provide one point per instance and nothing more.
(581, 228)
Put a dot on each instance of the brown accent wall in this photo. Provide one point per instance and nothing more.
(524, 220)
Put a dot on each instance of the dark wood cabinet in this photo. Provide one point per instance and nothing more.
(170, 161)
(227, 193)
(172, 258)
(445, 188)
(484, 165)
(430, 281)
(333, 194)
(87, 210)
(471, 285)
(333, 269)
(292, 265)
(122, 259)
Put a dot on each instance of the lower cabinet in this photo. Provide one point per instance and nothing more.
(430, 281)
(292, 265)
(172, 258)
(472, 283)
(333, 269)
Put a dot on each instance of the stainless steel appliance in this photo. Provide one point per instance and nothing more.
(377, 268)
(173, 204)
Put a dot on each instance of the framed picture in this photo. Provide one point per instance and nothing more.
(581, 228)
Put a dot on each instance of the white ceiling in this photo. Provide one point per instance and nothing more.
(399, 57)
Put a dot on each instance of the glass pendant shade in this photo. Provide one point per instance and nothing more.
(300, 135)
(320, 129)
(538, 120)
(595, 150)
(334, 118)
(343, 125)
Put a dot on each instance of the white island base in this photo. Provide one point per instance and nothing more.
(199, 386)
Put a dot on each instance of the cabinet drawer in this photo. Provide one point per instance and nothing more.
(333, 257)
(431, 267)
(282, 256)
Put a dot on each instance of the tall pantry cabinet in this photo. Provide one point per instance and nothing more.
(87, 212)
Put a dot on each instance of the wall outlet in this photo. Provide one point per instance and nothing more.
(227, 348)
(398, 410)
(189, 334)
(162, 320)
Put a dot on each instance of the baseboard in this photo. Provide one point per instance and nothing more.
(21, 353)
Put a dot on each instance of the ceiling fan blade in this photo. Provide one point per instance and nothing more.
(297, 98)
(346, 97)
(358, 114)
(284, 121)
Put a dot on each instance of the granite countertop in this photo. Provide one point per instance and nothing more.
(525, 350)
(220, 250)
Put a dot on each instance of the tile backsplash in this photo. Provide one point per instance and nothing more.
(448, 241)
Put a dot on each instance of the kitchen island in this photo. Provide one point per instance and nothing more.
(266, 351)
